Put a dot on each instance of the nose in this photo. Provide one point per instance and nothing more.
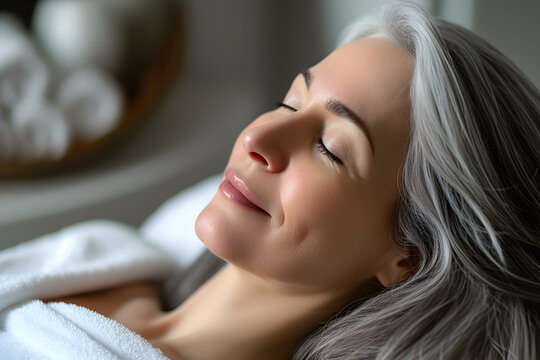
(272, 143)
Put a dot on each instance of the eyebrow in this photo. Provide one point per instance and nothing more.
(342, 110)
(307, 77)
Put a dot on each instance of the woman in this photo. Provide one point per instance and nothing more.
(388, 208)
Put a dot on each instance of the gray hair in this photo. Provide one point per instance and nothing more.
(469, 208)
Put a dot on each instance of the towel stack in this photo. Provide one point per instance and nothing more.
(43, 111)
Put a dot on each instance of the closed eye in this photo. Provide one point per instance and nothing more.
(318, 141)
(280, 104)
(324, 150)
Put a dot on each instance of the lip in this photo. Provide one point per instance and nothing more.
(235, 189)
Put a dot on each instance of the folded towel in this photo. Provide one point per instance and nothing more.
(85, 257)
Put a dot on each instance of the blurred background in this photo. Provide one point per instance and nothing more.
(215, 65)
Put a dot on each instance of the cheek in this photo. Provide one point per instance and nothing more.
(339, 233)
(313, 199)
(315, 223)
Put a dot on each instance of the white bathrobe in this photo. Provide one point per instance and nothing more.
(86, 257)
(92, 256)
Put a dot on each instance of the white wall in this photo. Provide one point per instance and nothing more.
(337, 14)
(513, 27)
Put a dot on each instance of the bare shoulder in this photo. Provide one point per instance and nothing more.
(130, 304)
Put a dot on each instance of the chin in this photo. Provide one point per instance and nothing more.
(214, 229)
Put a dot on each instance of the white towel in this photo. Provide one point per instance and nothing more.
(91, 256)
(92, 103)
(85, 257)
(36, 330)
(41, 130)
(42, 111)
(23, 72)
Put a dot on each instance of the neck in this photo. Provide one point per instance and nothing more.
(237, 315)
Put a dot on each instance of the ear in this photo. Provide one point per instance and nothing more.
(401, 265)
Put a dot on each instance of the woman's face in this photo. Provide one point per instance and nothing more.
(310, 189)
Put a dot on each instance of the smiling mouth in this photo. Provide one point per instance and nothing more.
(234, 189)
(232, 193)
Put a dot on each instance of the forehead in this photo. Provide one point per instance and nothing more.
(369, 74)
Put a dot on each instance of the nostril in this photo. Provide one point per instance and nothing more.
(258, 157)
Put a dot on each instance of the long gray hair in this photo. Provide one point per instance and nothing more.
(469, 207)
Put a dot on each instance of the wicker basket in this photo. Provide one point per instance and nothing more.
(149, 89)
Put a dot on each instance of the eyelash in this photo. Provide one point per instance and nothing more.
(323, 150)
(318, 141)
(280, 104)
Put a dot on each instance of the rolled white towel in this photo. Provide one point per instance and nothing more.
(23, 72)
(92, 103)
(79, 33)
(38, 124)
(41, 131)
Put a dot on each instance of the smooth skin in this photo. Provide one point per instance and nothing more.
(328, 188)
(329, 224)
